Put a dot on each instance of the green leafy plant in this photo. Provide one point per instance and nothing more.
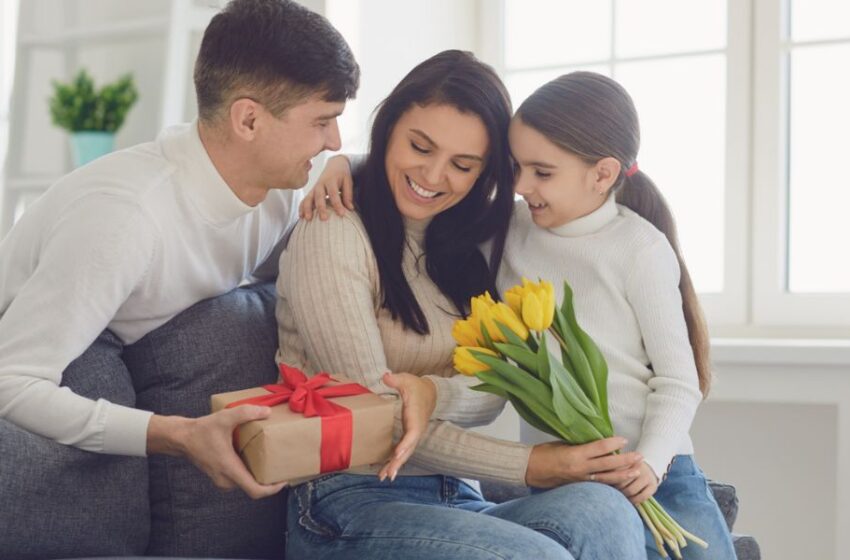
(77, 106)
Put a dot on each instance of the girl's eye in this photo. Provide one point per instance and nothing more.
(419, 148)
(541, 174)
(462, 168)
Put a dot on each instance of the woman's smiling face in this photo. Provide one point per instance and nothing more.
(434, 156)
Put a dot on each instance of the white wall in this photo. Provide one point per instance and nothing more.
(389, 38)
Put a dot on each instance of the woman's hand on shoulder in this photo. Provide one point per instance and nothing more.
(554, 464)
(334, 187)
(418, 397)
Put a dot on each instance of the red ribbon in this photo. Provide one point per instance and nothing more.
(308, 396)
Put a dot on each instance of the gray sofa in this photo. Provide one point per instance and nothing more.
(60, 502)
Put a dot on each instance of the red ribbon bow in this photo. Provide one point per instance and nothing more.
(308, 396)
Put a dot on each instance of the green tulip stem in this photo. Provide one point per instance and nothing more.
(659, 544)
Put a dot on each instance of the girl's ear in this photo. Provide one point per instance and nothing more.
(605, 172)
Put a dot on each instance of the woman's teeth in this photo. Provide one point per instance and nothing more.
(540, 206)
(424, 193)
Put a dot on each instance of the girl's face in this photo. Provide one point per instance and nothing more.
(559, 186)
(434, 156)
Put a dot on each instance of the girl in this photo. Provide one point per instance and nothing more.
(592, 217)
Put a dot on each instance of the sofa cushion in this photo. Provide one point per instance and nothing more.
(60, 501)
(220, 344)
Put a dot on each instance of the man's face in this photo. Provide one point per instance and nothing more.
(286, 144)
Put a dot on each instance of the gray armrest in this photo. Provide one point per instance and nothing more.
(61, 501)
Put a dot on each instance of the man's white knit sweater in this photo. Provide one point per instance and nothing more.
(125, 243)
(625, 279)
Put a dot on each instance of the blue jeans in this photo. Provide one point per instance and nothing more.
(686, 496)
(432, 517)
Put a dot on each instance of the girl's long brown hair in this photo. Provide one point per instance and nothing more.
(593, 117)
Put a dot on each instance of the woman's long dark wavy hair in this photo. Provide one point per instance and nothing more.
(594, 117)
(452, 258)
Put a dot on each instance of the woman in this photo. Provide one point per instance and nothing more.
(378, 290)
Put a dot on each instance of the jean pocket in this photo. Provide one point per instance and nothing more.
(305, 499)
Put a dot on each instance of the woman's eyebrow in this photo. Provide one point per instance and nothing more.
(430, 141)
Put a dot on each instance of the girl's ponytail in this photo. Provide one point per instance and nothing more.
(640, 194)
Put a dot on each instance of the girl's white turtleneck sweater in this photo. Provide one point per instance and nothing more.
(625, 279)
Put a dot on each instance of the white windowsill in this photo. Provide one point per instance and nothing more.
(763, 351)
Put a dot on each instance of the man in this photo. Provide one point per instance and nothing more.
(133, 239)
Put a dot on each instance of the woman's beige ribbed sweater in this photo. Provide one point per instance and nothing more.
(330, 319)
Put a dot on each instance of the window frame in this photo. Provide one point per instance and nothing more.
(754, 301)
(773, 305)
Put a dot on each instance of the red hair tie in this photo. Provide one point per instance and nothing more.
(632, 170)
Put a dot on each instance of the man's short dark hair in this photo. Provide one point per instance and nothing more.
(276, 52)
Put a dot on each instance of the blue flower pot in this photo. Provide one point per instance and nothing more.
(88, 145)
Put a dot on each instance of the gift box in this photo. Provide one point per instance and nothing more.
(317, 425)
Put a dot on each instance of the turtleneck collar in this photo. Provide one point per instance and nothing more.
(590, 223)
(209, 193)
(415, 229)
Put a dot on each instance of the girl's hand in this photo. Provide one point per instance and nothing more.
(643, 487)
(554, 464)
(418, 397)
(334, 186)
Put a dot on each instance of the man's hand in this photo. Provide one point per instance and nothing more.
(554, 464)
(642, 487)
(418, 396)
(208, 443)
(334, 187)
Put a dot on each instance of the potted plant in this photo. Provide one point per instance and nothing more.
(92, 117)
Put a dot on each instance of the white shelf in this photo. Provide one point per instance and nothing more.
(98, 33)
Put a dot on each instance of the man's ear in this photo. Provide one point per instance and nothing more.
(605, 174)
(244, 113)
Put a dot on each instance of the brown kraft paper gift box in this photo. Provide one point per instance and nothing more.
(286, 445)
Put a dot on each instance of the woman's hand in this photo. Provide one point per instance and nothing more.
(642, 487)
(554, 464)
(418, 397)
(334, 186)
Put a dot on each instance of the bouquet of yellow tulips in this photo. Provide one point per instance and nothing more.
(504, 345)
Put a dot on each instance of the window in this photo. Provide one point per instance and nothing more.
(739, 118)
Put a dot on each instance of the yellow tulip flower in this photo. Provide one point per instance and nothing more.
(466, 363)
(532, 311)
(506, 316)
(547, 299)
(513, 297)
(482, 315)
(466, 333)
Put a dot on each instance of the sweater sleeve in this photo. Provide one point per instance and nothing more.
(653, 292)
(89, 263)
(329, 283)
